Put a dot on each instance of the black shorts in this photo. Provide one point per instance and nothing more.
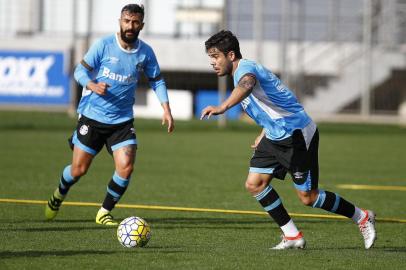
(91, 135)
(289, 155)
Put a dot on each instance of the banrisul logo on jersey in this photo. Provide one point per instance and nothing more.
(35, 78)
(118, 77)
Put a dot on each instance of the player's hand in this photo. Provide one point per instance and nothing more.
(99, 88)
(211, 110)
(167, 118)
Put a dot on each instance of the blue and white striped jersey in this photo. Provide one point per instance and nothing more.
(271, 104)
(120, 69)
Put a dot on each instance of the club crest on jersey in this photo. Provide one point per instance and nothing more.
(139, 67)
(83, 130)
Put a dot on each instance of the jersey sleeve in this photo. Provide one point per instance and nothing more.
(94, 55)
(151, 68)
(84, 71)
(243, 69)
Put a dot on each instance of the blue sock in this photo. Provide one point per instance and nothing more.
(115, 190)
(66, 181)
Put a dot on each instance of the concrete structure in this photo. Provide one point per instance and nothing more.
(324, 38)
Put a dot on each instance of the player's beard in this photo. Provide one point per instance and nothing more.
(129, 40)
(227, 70)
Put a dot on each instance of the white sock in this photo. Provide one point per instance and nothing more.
(359, 215)
(289, 229)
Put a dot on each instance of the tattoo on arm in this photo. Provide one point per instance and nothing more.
(247, 82)
(157, 78)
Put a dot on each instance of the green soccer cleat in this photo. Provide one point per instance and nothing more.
(105, 218)
(52, 207)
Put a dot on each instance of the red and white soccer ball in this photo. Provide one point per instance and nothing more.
(133, 232)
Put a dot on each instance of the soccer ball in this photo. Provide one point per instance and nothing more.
(133, 232)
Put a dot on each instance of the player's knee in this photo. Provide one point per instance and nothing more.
(254, 187)
(78, 171)
(256, 183)
(125, 171)
(306, 201)
(307, 198)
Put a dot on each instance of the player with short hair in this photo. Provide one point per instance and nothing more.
(109, 73)
(288, 142)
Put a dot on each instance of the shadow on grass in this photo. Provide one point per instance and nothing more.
(223, 221)
(175, 223)
(359, 248)
(158, 249)
(55, 225)
(67, 253)
(62, 253)
(61, 229)
(42, 221)
(392, 249)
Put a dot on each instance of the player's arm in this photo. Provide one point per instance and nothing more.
(157, 83)
(167, 117)
(239, 93)
(159, 86)
(83, 77)
(84, 70)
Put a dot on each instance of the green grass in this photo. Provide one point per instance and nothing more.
(196, 166)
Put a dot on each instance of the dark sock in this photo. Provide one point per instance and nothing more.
(272, 204)
(333, 203)
(115, 190)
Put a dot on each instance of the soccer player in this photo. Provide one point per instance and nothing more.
(288, 142)
(109, 73)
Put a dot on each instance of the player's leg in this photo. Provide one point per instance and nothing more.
(71, 174)
(306, 183)
(85, 142)
(331, 202)
(263, 167)
(122, 144)
(124, 158)
(258, 185)
(334, 203)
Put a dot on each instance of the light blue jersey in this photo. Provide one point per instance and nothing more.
(271, 104)
(120, 69)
